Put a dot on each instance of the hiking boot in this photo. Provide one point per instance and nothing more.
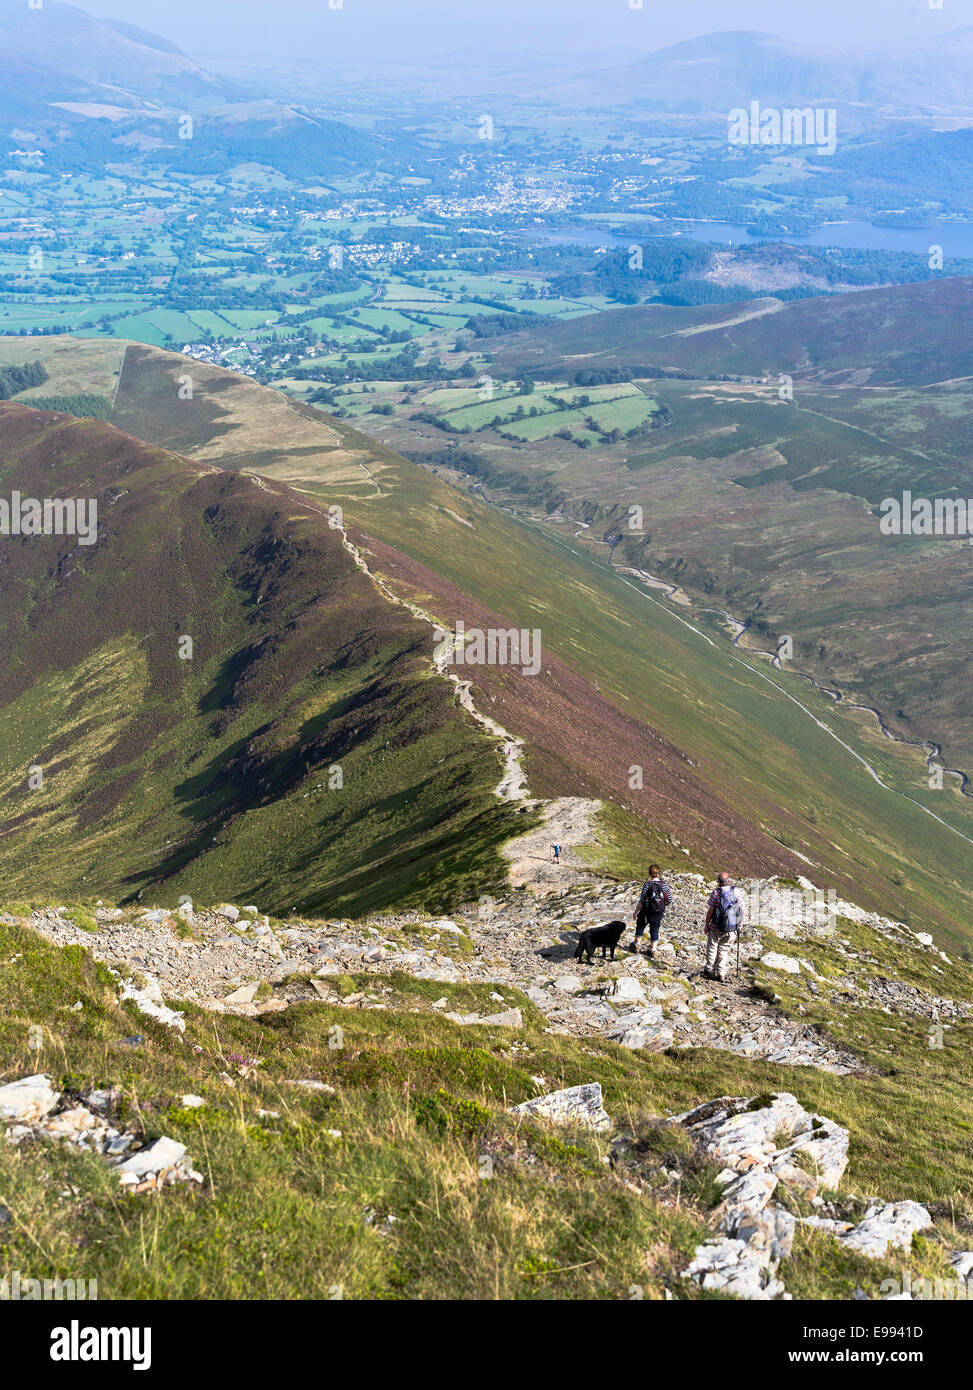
(652, 951)
(635, 949)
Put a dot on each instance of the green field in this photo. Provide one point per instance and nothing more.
(212, 323)
(542, 414)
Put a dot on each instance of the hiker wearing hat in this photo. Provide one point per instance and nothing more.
(725, 914)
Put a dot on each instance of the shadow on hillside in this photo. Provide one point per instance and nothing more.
(565, 948)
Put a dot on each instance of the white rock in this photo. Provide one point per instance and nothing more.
(626, 987)
(739, 1137)
(885, 1224)
(775, 961)
(822, 1151)
(822, 1223)
(768, 1232)
(80, 1127)
(228, 911)
(924, 937)
(735, 1268)
(962, 1262)
(574, 1105)
(639, 1033)
(191, 1102)
(510, 1018)
(244, 995)
(568, 984)
(645, 1017)
(102, 1100)
(715, 1254)
(748, 1195)
(30, 1098)
(154, 1159)
(148, 1001)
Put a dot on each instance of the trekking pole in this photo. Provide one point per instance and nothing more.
(739, 934)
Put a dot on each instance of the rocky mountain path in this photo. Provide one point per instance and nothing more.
(568, 821)
(771, 1152)
(234, 960)
(513, 782)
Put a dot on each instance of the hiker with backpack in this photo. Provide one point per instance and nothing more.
(725, 915)
(557, 854)
(650, 908)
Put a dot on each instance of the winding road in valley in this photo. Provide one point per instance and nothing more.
(933, 751)
(739, 628)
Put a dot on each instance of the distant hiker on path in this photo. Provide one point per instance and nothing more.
(650, 908)
(725, 914)
(557, 854)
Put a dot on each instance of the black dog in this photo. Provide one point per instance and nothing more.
(607, 937)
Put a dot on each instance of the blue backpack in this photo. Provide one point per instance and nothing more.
(724, 917)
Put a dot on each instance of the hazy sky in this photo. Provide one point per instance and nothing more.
(305, 28)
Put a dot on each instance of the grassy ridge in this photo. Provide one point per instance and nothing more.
(301, 754)
(794, 787)
(787, 776)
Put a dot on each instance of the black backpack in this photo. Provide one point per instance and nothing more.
(655, 898)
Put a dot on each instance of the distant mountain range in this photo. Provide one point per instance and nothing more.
(723, 70)
(63, 69)
(62, 54)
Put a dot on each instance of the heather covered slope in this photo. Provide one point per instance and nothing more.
(761, 773)
(736, 767)
(896, 335)
(191, 774)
